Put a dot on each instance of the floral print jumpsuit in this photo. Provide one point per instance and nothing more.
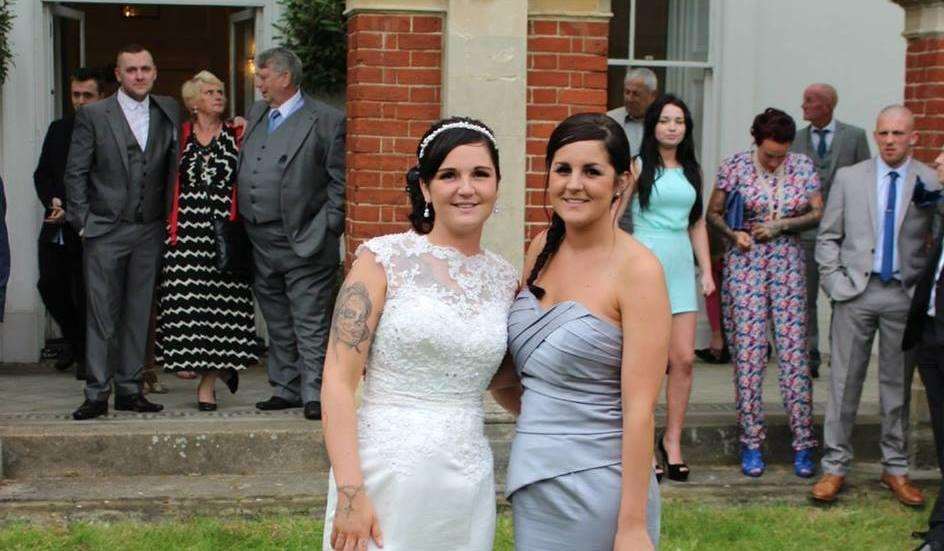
(768, 282)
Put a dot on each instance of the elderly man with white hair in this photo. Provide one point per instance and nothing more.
(831, 144)
(291, 198)
(640, 89)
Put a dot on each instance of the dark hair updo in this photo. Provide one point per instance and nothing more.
(583, 127)
(773, 124)
(431, 157)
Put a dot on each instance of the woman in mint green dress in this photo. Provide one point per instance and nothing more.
(666, 216)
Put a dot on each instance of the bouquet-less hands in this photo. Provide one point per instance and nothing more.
(355, 521)
(707, 283)
(743, 241)
(57, 214)
(632, 539)
(766, 230)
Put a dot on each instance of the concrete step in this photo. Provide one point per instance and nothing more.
(146, 498)
(250, 443)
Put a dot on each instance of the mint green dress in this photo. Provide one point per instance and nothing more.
(663, 227)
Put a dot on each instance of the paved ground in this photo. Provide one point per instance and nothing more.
(37, 392)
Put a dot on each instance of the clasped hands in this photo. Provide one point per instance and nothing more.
(761, 232)
(57, 214)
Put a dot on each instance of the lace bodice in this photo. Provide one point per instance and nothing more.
(440, 339)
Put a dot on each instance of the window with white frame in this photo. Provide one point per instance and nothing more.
(671, 37)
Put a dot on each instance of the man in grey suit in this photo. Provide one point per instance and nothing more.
(291, 197)
(831, 144)
(871, 250)
(121, 165)
(640, 89)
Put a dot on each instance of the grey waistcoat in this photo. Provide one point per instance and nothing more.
(260, 174)
(147, 171)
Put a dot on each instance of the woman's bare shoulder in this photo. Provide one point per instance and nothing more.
(635, 262)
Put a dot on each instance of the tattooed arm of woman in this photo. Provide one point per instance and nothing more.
(805, 221)
(715, 217)
(356, 314)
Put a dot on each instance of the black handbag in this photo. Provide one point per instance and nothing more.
(233, 249)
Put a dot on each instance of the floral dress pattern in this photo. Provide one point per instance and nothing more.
(768, 282)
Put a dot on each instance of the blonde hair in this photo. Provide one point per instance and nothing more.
(192, 89)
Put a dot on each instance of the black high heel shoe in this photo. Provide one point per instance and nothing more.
(659, 473)
(207, 406)
(676, 471)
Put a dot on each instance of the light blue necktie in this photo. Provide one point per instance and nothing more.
(888, 229)
(821, 147)
(275, 119)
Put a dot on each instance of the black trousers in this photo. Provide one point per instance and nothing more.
(62, 287)
(929, 356)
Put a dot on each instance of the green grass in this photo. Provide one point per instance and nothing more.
(873, 522)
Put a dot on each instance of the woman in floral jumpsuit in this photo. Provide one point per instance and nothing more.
(762, 198)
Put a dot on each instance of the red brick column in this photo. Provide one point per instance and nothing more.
(924, 93)
(393, 94)
(566, 75)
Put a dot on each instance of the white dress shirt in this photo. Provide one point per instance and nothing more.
(290, 105)
(937, 274)
(881, 182)
(831, 132)
(138, 115)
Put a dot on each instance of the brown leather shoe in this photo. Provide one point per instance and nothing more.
(826, 489)
(906, 492)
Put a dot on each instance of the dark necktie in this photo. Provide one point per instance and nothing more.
(888, 229)
(821, 148)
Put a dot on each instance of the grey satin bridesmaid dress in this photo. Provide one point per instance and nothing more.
(564, 474)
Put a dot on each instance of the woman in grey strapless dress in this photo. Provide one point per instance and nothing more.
(566, 470)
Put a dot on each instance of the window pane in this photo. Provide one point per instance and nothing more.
(673, 30)
(619, 30)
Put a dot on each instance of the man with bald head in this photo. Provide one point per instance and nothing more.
(871, 253)
(831, 144)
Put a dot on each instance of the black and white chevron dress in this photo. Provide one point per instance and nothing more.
(205, 318)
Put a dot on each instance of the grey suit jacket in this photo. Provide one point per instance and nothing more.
(849, 146)
(845, 244)
(313, 182)
(97, 172)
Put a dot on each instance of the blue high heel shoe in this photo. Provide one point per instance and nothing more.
(803, 465)
(752, 463)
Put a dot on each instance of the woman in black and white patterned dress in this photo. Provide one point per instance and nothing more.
(205, 320)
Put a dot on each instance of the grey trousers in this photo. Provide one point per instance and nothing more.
(120, 273)
(294, 294)
(882, 308)
(812, 294)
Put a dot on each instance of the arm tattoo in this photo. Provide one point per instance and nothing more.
(350, 492)
(349, 323)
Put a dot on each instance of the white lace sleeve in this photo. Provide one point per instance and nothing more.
(384, 248)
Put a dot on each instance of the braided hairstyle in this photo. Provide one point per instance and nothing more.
(652, 165)
(577, 128)
(431, 157)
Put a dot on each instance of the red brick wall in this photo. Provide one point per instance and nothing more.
(924, 93)
(566, 75)
(393, 94)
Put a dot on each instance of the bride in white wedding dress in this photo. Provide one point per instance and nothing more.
(422, 316)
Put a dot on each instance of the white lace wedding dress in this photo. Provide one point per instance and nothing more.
(441, 337)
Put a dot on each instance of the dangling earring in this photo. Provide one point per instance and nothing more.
(426, 210)
(496, 209)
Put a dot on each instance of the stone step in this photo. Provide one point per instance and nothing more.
(251, 443)
(147, 498)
